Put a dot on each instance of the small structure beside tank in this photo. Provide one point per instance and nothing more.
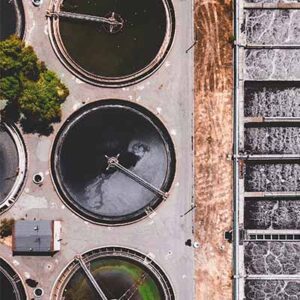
(36, 237)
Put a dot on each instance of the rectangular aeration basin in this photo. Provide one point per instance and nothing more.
(272, 64)
(272, 99)
(272, 289)
(272, 177)
(272, 27)
(272, 140)
(271, 258)
(272, 214)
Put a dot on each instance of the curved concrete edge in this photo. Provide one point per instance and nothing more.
(76, 209)
(117, 82)
(13, 281)
(20, 179)
(111, 251)
(20, 14)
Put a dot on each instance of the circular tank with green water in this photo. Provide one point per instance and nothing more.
(120, 273)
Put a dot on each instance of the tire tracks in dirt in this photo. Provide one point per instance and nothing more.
(213, 143)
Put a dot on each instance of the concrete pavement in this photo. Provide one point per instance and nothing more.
(169, 94)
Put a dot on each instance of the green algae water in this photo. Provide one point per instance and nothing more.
(115, 276)
(119, 54)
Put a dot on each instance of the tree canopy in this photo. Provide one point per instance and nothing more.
(33, 94)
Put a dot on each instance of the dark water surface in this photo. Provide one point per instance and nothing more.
(8, 19)
(9, 161)
(115, 276)
(6, 289)
(112, 130)
(119, 54)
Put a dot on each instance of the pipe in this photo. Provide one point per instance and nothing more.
(236, 266)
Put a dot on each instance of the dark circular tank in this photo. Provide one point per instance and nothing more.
(11, 287)
(11, 18)
(9, 162)
(120, 273)
(128, 42)
(119, 129)
(13, 165)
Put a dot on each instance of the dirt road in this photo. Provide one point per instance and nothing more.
(213, 143)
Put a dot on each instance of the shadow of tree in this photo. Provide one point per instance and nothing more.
(40, 128)
(11, 113)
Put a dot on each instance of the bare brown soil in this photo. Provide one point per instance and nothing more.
(213, 144)
(7, 241)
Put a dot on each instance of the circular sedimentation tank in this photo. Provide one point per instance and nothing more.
(120, 274)
(105, 193)
(112, 43)
(11, 287)
(12, 18)
(12, 165)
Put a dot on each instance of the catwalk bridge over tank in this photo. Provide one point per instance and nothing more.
(112, 20)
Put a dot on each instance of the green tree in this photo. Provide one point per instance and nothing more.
(11, 56)
(41, 100)
(10, 87)
(29, 87)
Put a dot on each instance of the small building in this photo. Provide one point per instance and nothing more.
(36, 237)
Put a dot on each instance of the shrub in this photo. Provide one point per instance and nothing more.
(6, 227)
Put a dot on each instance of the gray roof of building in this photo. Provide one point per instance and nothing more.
(33, 236)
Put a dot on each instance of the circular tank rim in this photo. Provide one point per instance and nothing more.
(21, 21)
(79, 210)
(24, 292)
(109, 251)
(78, 71)
(18, 186)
